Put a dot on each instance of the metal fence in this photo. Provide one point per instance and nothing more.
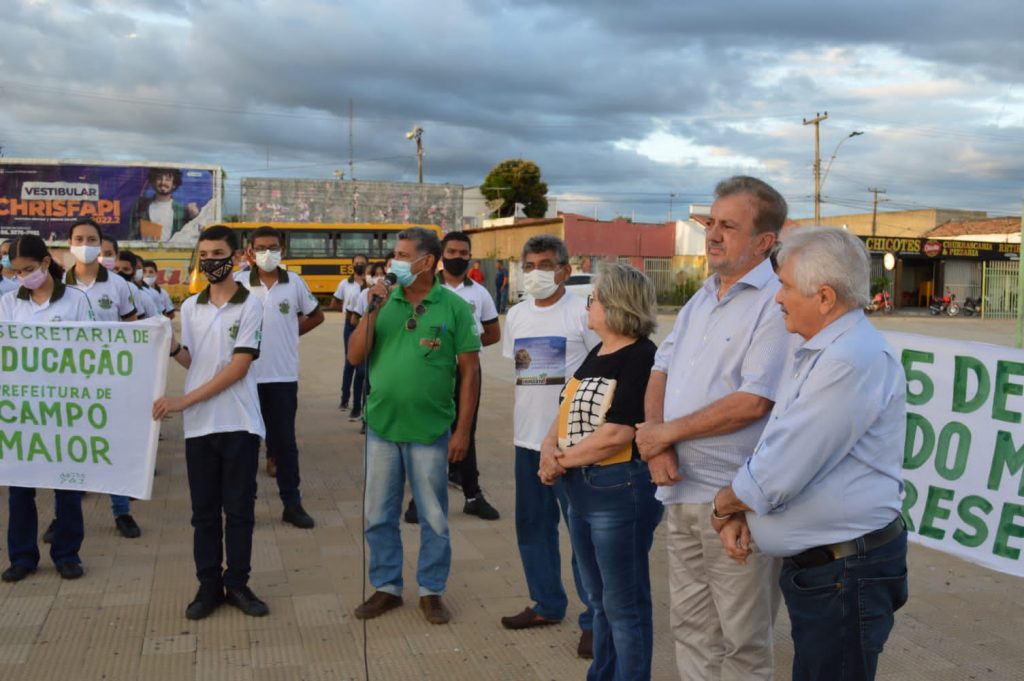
(999, 290)
(660, 272)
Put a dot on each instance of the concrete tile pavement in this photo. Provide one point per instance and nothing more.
(125, 618)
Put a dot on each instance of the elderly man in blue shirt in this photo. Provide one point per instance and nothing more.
(823, 486)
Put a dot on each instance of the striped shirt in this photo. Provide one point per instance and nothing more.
(718, 347)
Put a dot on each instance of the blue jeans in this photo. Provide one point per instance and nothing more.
(842, 612)
(120, 505)
(222, 484)
(353, 376)
(387, 466)
(501, 300)
(23, 530)
(278, 404)
(537, 511)
(612, 518)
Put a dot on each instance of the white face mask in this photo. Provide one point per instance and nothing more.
(137, 276)
(268, 260)
(85, 254)
(370, 281)
(540, 284)
(109, 263)
(150, 280)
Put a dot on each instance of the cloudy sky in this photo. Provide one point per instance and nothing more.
(622, 104)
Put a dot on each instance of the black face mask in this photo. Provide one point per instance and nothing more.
(126, 277)
(456, 266)
(217, 269)
(360, 270)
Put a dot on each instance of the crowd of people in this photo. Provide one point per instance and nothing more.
(767, 430)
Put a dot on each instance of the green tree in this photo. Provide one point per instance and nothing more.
(517, 181)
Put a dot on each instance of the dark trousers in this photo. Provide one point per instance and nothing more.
(222, 483)
(278, 403)
(23, 531)
(842, 612)
(352, 371)
(465, 472)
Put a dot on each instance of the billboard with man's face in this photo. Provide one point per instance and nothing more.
(146, 202)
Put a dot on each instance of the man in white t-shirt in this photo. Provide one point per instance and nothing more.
(220, 338)
(548, 338)
(289, 311)
(345, 298)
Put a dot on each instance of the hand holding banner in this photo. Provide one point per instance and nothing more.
(76, 402)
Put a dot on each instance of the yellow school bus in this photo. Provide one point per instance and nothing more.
(321, 253)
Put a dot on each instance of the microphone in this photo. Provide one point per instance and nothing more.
(389, 280)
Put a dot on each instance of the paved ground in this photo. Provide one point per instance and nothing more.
(125, 618)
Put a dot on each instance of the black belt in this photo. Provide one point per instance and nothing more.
(822, 555)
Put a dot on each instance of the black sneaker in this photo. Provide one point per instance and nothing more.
(355, 415)
(479, 507)
(16, 573)
(51, 532)
(70, 570)
(362, 428)
(245, 600)
(207, 599)
(343, 405)
(127, 526)
(411, 516)
(297, 516)
(455, 478)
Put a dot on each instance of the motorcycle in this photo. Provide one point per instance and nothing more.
(971, 307)
(882, 301)
(945, 305)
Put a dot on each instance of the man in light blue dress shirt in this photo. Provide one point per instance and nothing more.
(713, 383)
(823, 486)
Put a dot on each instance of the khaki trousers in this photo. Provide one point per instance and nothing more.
(721, 612)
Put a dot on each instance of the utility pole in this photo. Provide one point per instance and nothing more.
(874, 211)
(816, 122)
(671, 196)
(351, 163)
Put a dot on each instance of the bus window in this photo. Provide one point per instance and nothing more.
(309, 245)
(387, 243)
(354, 243)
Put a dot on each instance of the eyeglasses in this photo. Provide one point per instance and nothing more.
(411, 323)
(263, 249)
(591, 298)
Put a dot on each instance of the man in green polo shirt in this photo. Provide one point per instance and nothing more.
(417, 336)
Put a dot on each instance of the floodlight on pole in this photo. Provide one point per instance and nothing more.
(417, 134)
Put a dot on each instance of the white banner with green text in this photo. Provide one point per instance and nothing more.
(76, 404)
(963, 460)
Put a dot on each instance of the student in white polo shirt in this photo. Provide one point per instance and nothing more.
(42, 297)
(345, 297)
(220, 338)
(111, 301)
(150, 276)
(456, 250)
(126, 267)
(289, 311)
(8, 282)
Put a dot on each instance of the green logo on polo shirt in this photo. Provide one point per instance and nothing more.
(283, 307)
(105, 302)
(233, 331)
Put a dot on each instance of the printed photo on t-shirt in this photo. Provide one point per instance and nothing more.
(540, 360)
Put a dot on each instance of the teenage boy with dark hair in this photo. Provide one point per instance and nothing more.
(150, 275)
(220, 338)
(126, 266)
(289, 311)
(345, 298)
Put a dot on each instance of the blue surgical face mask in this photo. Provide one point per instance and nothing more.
(403, 270)
(6, 262)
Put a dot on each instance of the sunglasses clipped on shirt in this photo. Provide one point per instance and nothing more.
(412, 322)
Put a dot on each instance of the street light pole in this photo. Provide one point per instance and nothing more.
(828, 168)
(671, 195)
(417, 134)
(816, 122)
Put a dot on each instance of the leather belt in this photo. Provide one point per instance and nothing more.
(822, 555)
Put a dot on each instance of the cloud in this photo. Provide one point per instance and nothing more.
(629, 102)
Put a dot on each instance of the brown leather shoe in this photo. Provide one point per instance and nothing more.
(377, 604)
(434, 610)
(526, 619)
(271, 467)
(585, 649)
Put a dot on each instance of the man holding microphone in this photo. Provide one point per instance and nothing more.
(417, 337)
